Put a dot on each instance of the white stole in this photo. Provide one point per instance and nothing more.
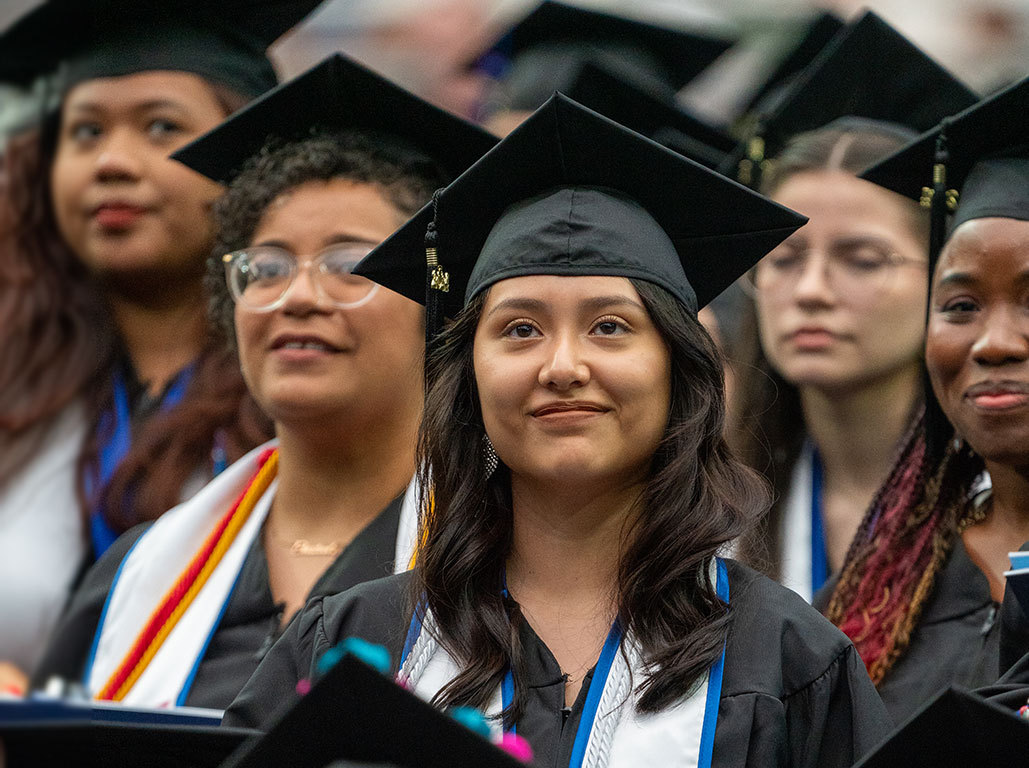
(620, 736)
(157, 560)
(795, 545)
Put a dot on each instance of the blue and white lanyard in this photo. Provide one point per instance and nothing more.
(600, 674)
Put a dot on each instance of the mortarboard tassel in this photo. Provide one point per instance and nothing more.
(939, 200)
(437, 280)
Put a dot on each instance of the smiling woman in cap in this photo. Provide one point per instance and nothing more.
(567, 579)
(102, 246)
(931, 553)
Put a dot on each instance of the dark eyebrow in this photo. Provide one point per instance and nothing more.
(592, 304)
(956, 278)
(967, 278)
(337, 239)
(94, 106)
(529, 305)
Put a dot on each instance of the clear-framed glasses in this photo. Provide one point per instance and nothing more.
(261, 277)
(851, 265)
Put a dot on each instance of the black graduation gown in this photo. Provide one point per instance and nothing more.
(956, 642)
(794, 691)
(249, 626)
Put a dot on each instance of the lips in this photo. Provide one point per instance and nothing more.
(812, 337)
(998, 395)
(569, 408)
(294, 342)
(117, 214)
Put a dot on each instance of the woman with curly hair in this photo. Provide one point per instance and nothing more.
(578, 484)
(335, 362)
(922, 585)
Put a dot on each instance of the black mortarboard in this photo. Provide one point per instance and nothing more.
(118, 745)
(955, 730)
(976, 158)
(570, 192)
(868, 70)
(223, 41)
(655, 117)
(816, 33)
(355, 713)
(337, 94)
(547, 47)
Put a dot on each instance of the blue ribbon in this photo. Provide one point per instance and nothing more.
(819, 557)
(600, 674)
(117, 423)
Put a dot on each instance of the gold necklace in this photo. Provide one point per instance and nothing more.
(305, 548)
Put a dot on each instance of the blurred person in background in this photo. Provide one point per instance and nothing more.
(103, 241)
(831, 382)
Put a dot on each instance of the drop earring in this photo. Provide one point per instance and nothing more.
(489, 456)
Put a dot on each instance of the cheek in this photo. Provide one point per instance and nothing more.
(946, 350)
(65, 191)
(249, 335)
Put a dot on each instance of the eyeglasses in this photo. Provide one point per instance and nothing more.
(261, 277)
(859, 265)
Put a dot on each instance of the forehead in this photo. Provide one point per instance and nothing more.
(835, 199)
(560, 291)
(328, 208)
(998, 247)
(131, 91)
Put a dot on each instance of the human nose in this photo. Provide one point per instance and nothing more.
(813, 284)
(1004, 339)
(118, 159)
(565, 367)
(302, 295)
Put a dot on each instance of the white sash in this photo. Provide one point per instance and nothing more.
(678, 737)
(155, 563)
(795, 546)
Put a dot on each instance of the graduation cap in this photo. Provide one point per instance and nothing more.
(957, 728)
(354, 713)
(570, 192)
(224, 41)
(846, 79)
(816, 33)
(337, 94)
(547, 47)
(657, 118)
(974, 164)
(44, 744)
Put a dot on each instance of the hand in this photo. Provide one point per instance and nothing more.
(12, 681)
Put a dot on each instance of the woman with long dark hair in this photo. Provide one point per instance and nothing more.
(922, 585)
(578, 484)
(830, 371)
(102, 247)
(334, 361)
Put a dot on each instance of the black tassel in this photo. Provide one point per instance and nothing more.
(938, 430)
(437, 281)
(939, 203)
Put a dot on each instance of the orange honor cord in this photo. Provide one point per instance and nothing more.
(190, 582)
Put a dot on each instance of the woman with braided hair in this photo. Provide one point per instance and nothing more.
(923, 583)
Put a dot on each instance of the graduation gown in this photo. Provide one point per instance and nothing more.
(957, 641)
(251, 622)
(794, 691)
